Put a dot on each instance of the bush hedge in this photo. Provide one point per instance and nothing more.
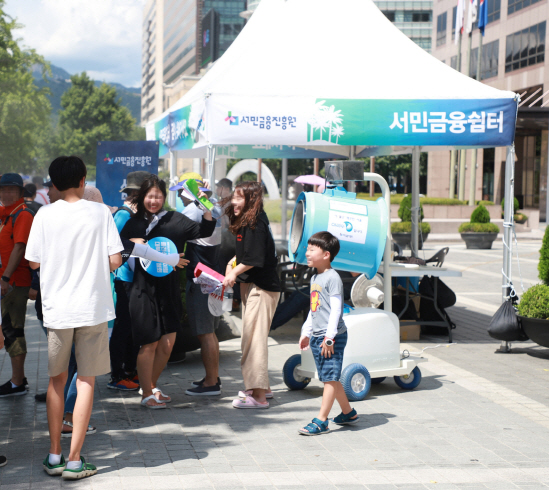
(405, 210)
(516, 205)
(543, 264)
(480, 215)
(535, 302)
(478, 228)
(486, 203)
(406, 227)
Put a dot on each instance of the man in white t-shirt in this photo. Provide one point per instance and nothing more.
(76, 245)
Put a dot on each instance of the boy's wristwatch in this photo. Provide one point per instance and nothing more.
(328, 342)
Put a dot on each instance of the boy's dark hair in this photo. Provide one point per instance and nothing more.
(67, 172)
(327, 242)
(139, 199)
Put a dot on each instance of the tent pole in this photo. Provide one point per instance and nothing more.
(473, 181)
(508, 229)
(453, 163)
(210, 162)
(316, 165)
(462, 165)
(372, 170)
(351, 186)
(259, 163)
(173, 177)
(415, 201)
(284, 197)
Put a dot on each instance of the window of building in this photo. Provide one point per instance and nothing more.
(454, 62)
(488, 62)
(488, 160)
(441, 29)
(516, 5)
(389, 15)
(454, 15)
(417, 16)
(525, 48)
(494, 9)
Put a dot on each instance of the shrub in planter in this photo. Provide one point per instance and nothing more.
(405, 209)
(479, 233)
(535, 302)
(543, 265)
(406, 227)
(516, 206)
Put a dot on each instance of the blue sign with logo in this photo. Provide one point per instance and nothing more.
(159, 269)
(116, 159)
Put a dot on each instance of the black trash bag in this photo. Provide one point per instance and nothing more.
(445, 296)
(505, 324)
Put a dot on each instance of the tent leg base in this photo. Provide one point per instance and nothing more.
(504, 348)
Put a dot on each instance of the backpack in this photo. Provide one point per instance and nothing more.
(125, 208)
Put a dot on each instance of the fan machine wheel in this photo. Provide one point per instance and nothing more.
(293, 380)
(409, 381)
(356, 382)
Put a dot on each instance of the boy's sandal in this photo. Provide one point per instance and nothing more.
(163, 398)
(346, 419)
(157, 405)
(244, 394)
(249, 402)
(68, 433)
(315, 428)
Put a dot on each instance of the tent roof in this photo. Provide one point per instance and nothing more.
(341, 50)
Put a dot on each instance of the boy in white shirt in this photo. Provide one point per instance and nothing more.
(76, 245)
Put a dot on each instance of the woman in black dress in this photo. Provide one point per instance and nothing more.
(155, 302)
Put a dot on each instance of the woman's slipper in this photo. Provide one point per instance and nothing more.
(249, 402)
(67, 433)
(244, 394)
(161, 396)
(156, 406)
(315, 428)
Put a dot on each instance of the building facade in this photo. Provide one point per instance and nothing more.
(512, 58)
(413, 17)
(172, 42)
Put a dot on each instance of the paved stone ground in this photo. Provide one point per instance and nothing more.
(478, 419)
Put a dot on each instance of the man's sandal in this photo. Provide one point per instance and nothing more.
(89, 431)
(158, 405)
(315, 428)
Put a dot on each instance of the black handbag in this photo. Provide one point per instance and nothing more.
(505, 324)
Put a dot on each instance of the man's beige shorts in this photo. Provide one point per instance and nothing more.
(91, 348)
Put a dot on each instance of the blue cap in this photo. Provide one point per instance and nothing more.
(12, 179)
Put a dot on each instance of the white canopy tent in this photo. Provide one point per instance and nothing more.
(325, 76)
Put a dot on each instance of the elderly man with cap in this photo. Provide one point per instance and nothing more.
(203, 324)
(122, 351)
(15, 279)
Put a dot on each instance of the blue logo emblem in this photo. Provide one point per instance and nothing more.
(348, 226)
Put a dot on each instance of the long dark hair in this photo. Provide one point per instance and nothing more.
(146, 186)
(253, 206)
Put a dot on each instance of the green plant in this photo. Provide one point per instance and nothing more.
(520, 218)
(516, 205)
(442, 201)
(406, 227)
(480, 215)
(543, 264)
(486, 203)
(405, 210)
(273, 210)
(478, 228)
(535, 302)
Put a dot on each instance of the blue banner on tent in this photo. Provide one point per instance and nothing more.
(116, 159)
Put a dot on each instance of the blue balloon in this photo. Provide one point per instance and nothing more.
(159, 269)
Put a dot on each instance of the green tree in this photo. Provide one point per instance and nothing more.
(24, 108)
(90, 114)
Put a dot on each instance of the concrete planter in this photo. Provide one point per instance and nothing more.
(536, 329)
(404, 240)
(478, 241)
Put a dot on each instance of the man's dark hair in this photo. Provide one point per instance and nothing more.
(30, 190)
(327, 242)
(67, 172)
(38, 180)
(146, 186)
(225, 183)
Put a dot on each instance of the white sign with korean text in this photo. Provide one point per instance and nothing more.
(347, 226)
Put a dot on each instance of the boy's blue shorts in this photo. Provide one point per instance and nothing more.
(329, 368)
